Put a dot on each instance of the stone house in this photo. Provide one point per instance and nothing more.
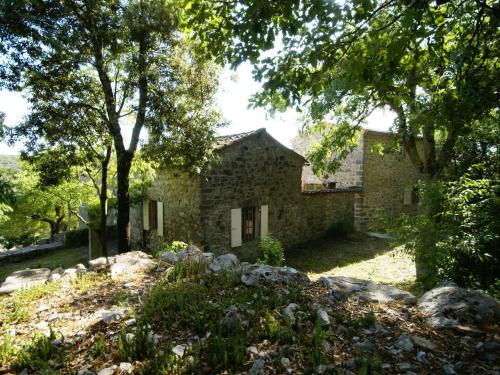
(386, 182)
(253, 189)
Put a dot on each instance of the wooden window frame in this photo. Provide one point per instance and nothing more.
(248, 224)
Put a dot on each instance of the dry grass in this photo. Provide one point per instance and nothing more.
(359, 256)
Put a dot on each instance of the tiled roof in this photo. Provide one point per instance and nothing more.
(226, 140)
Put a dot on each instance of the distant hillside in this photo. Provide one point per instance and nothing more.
(9, 162)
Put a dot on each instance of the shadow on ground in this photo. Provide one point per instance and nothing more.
(327, 253)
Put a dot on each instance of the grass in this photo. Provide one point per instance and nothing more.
(357, 255)
(188, 300)
(52, 259)
(17, 309)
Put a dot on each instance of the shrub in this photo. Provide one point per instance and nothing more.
(172, 247)
(458, 236)
(76, 238)
(273, 251)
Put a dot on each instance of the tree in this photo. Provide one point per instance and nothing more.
(125, 53)
(38, 209)
(434, 64)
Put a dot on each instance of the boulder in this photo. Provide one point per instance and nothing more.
(190, 252)
(56, 274)
(323, 317)
(258, 368)
(366, 290)
(131, 263)
(69, 274)
(24, 279)
(108, 316)
(449, 305)
(226, 262)
(169, 257)
(258, 274)
(98, 264)
(80, 268)
(232, 319)
(288, 312)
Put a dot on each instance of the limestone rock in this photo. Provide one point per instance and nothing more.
(226, 262)
(189, 253)
(98, 264)
(257, 368)
(258, 274)
(80, 268)
(231, 319)
(366, 290)
(169, 257)
(108, 316)
(24, 279)
(423, 343)
(448, 305)
(126, 367)
(108, 370)
(69, 274)
(179, 350)
(405, 343)
(323, 317)
(56, 274)
(131, 263)
(289, 312)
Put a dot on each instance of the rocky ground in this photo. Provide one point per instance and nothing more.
(195, 313)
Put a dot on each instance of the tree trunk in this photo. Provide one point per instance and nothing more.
(103, 201)
(124, 162)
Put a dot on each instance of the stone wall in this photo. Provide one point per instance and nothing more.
(348, 175)
(385, 178)
(258, 171)
(180, 194)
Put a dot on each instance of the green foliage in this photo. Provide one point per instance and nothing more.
(19, 308)
(431, 64)
(316, 357)
(76, 238)
(40, 354)
(272, 251)
(138, 347)
(369, 365)
(458, 237)
(99, 347)
(172, 247)
(7, 348)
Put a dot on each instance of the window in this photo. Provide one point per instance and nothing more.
(248, 224)
(153, 217)
(332, 185)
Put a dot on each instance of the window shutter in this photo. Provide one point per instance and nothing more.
(145, 214)
(264, 221)
(159, 213)
(236, 227)
(407, 196)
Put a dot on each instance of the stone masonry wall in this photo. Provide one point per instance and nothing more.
(348, 175)
(385, 178)
(255, 172)
(180, 194)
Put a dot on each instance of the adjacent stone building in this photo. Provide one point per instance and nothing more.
(386, 182)
(255, 188)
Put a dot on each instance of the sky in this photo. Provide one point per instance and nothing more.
(236, 89)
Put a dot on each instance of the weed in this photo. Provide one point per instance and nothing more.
(370, 365)
(140, 346)
(272, 250)
(226, 352)
(40, 354)
(99, 347)
(315, 356)
(272, 326)
(88, 281)
(189, 269)
(120, 297)
(19, 308)
(7, 348)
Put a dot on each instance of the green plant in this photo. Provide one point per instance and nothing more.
(40, 354)
(86, 282)
(272, 251)
(457, 236)
(137, 347)
(7, 348)
(370, 365)
(99, 346)
(315, 355)
(172, 247)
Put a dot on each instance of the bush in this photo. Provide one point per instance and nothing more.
(273, 251)
(173, 247)
(76, 238)
(458, 237)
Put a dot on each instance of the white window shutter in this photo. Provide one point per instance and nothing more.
(145, 214)
(236, 227)
(159, 213)
(264, 226)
